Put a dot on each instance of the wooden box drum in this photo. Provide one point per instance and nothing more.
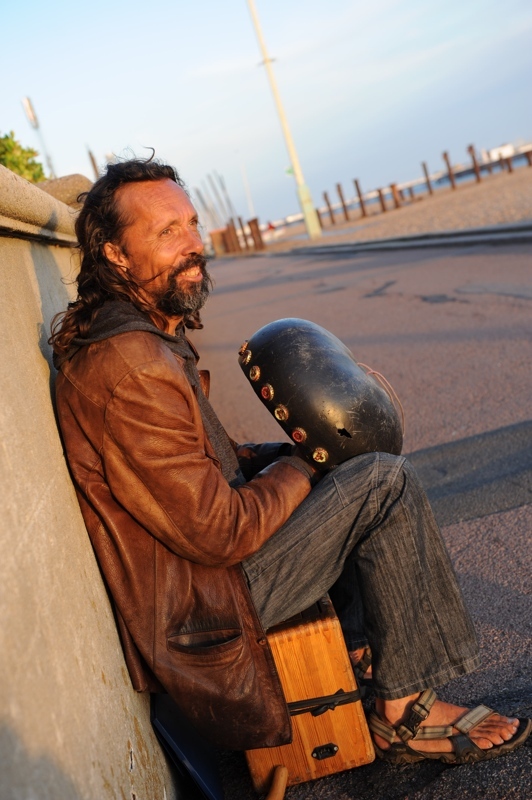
(331, 733)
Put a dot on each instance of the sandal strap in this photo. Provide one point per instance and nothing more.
(434, 732)
(363, 664)
(365, 661)
(377, 725)
(380, 727)
(470, 720)
(464, 725)
(410, 728)
(473, 718)
(418, 713)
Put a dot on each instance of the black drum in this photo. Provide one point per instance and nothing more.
(330, 406)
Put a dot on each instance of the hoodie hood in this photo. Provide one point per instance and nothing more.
(116, 317)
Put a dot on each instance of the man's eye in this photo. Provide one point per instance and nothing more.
(165, 232)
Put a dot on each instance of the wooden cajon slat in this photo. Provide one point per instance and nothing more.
(313, 662)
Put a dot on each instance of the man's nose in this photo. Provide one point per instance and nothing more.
(194, 243)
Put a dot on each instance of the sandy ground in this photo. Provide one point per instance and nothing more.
(502, 198)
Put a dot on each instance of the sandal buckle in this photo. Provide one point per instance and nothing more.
(418, 714)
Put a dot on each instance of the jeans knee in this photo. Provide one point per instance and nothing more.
(366, 474)
(391, 467)
(410, 473)
(370, 462)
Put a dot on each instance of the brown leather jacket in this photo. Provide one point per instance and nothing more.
(170, 533)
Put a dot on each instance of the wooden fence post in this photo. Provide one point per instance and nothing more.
(427, 178)
(219, 241)
(360, 199)
(449, 169)
(342, 201)
(241, 223)
(395, 195)
(328, 203)
(255, 233)
(382, 200)
(471, 151)
(232, 237)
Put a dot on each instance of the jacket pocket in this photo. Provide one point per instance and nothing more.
(206, 644)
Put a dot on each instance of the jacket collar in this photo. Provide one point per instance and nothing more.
(116, 317)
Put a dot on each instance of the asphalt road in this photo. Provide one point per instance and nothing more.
(451, 330)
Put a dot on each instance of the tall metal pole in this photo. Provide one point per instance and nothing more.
(213, 206)
(93, 164)
(34, 122)
(225, 209)
(225, 193)
(305, 200)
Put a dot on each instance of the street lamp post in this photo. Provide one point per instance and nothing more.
(305, 200)
(34, 122)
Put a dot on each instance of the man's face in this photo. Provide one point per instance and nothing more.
(161, 246)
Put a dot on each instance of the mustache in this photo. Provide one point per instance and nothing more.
(185, 301)
(194, 260)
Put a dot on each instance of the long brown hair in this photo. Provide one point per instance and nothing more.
(101, 221)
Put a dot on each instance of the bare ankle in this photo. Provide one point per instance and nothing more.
(357, 654)
(395, 710)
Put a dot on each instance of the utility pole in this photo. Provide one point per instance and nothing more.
(34, 122)
(93, 164)
(305, 200)
(225, 193)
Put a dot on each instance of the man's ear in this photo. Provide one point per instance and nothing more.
(115, 255)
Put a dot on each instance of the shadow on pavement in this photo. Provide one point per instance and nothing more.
(477, 476)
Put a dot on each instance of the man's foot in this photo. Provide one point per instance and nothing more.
(421, 727)
(494, 730)
(361, 661)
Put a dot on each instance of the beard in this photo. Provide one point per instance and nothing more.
(185, 301)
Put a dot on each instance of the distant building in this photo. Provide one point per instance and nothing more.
(502, 151)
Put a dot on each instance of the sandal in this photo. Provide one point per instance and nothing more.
(465, 751)
(360, 669)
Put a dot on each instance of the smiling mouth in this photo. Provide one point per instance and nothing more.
(191, 274)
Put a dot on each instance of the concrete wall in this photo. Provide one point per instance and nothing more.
(71, 726)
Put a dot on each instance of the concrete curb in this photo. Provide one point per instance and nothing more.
(29, 213)
(500, 234)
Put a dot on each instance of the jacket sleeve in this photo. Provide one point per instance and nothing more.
(157, 465)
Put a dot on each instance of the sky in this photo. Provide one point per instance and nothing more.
(370, 89)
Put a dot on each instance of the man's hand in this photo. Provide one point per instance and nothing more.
(317, 474)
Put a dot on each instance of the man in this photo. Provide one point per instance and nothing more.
(203, 544)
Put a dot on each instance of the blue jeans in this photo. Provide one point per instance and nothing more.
(366, 534)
